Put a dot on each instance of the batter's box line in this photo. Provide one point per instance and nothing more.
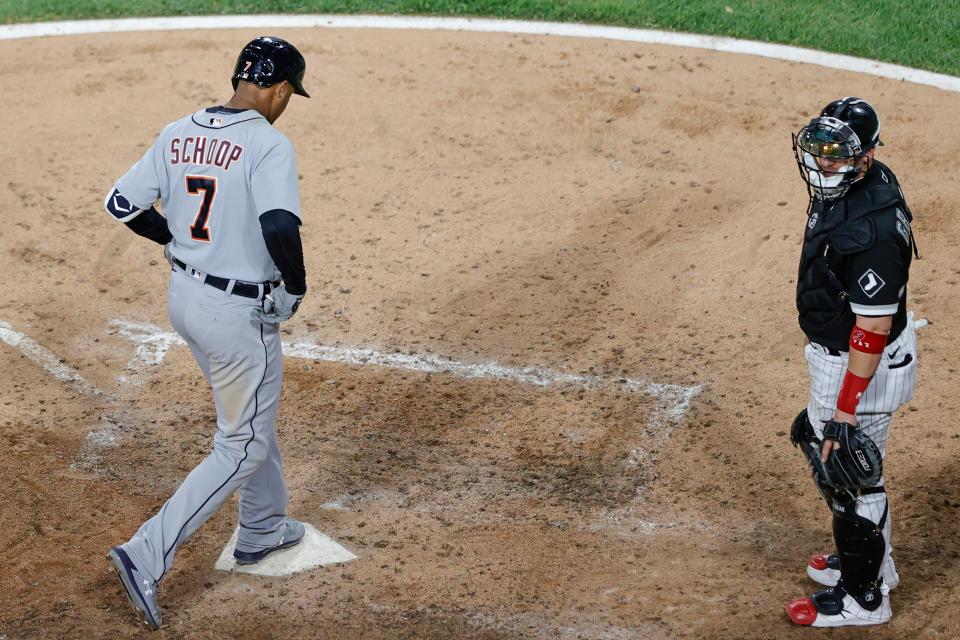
(673, 400)
(46, 359)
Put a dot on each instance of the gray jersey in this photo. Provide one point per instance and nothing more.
(215, 172)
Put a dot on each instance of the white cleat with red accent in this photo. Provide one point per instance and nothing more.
(835, 607)
(825, 569)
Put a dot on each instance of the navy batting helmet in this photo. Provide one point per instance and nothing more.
(266, 60)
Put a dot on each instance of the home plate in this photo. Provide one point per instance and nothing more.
(315, 550)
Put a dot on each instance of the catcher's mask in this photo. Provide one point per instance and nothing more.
(831, 151)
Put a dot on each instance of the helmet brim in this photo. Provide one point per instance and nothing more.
(296, 81)
(298, 88)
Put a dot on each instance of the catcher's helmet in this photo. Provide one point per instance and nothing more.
(266, 60)
(831, 148)
(859, 116)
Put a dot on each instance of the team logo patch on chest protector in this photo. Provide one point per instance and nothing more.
(870, 282)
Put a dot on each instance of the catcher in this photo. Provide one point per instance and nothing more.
(862, 354)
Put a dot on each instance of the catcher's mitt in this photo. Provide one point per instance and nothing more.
(857, 464)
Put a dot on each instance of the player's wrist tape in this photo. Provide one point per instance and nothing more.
(850, 391)
(867, 341)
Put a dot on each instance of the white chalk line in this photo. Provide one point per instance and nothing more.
(45, 359)
(643, 36)
(88, 457)
(672, 400)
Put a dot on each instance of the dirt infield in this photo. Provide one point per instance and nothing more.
(611, 211)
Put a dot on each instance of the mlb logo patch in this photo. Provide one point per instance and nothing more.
(870, 282)
(216, 122)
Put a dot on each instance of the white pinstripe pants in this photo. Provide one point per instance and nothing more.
(891, 386)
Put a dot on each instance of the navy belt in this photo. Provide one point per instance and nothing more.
(240, 288)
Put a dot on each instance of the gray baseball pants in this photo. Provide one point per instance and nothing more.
(241, 359)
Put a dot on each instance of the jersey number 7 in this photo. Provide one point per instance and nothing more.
(200, 229)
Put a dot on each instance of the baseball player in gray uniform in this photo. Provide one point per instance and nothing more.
(228, 183)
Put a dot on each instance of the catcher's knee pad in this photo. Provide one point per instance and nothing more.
(860, 542)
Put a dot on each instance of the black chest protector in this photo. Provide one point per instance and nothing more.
(835, 232)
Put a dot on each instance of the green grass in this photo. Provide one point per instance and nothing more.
(917, 33)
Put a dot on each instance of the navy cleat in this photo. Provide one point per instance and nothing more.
(141, 591)
(291, 537)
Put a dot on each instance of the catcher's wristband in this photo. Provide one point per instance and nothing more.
(850, 391)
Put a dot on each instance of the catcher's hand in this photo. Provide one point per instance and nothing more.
(277, 306)
(856, 463)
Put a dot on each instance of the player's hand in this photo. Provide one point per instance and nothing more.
(277, 306)
(831, 445)
(828, 446)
